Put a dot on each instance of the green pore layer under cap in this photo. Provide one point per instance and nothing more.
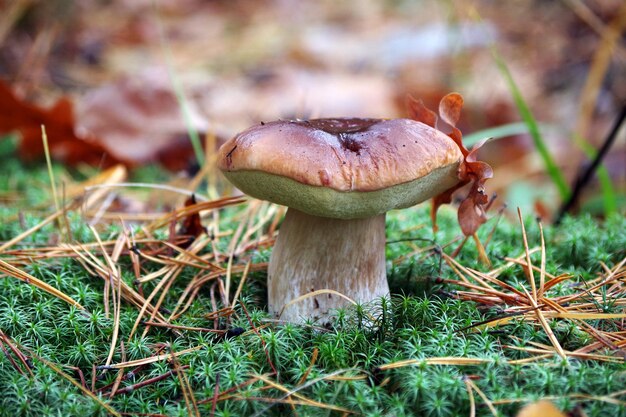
(327, 202)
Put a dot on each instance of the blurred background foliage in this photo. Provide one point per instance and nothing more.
(144, 76)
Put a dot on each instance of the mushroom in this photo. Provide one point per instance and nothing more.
(338, 177)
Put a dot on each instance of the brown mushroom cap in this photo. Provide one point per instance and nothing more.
(341, 168)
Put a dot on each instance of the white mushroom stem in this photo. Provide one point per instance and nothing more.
(317, 253)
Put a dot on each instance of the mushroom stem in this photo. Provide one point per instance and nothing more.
(317, 253)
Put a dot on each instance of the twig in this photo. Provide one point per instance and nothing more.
(216, 393)
(584, 177)
(132, 388)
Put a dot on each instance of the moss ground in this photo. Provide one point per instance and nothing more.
(422, 320)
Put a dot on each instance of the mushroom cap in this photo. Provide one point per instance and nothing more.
(344, 167)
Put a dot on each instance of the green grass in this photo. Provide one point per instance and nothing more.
(552, 168)
(494, 133)
(183, 103)
(421, 321)
(609, 196)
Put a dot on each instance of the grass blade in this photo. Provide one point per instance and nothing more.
(44, 138)
(180, 95)
(497, 132)
(533, 128)
(609, 198)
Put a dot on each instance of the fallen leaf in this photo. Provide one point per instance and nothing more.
(450, 108)
(471, 217)
(471, 213)
(418, 111)
(190, 228)
(475, 168)
(139, 119)
(178, 155)
(443, 198)
(64, 144)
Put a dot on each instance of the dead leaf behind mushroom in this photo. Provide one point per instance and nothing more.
(65, 145)
(139, 119)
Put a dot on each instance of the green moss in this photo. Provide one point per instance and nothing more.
(419, 322)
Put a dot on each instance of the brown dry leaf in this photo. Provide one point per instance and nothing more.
(541, 408)
(471, 213)
(450, 108)
(139, 118)
(471, 217)
(418, 111)
(474, 167)
(177, 154)
(64, 144)
(443, 198)
(191, 227)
